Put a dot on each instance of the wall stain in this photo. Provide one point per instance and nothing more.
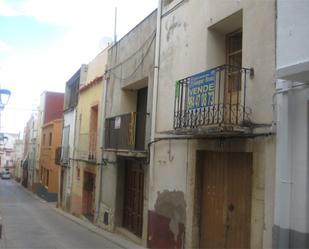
(172, 205)
(170, 27)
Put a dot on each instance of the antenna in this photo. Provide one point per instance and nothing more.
(115, 27)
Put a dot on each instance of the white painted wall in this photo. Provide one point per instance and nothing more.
(292, 40)
(292, 184)
(69, 119)
(293, 32)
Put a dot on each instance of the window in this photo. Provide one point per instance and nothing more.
(93, 130)
(47, 177)
(42, 174)
(50, 139)
(234, 58)
(43, 139)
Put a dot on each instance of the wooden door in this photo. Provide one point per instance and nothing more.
(88, 194)
(226, 200)
(133, 197)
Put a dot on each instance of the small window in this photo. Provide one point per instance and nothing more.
(44, 139)
(42, 174)
(234, 58)
(50, 139)
(47, 177)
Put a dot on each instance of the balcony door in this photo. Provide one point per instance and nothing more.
(232, 96)
(141, 110)
(93, 132)
(133, 197)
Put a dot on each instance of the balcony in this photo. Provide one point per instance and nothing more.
(213, 102)
(87, 147)
(58, 156)
(65, 155)
(120, 132)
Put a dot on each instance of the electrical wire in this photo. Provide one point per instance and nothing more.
(139, 64)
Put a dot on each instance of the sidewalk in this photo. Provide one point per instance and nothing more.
(113, 237)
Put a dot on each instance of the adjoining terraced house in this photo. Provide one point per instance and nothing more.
(68, 135)
(129, 78)
(48, 141)
(87, 154)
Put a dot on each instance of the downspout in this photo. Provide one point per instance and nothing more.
(102, 136)
(155, 93)
(295, 87)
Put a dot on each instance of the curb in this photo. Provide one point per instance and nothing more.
(114, 238)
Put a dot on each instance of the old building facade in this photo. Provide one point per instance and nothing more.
(48, 140)
(68, 135)
(18, 159)
(49, 169)
(212, 153)
(123, 200)
(29, 153)
(87, 154)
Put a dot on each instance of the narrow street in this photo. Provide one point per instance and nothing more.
(28, 222)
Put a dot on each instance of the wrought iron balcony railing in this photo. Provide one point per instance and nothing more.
(214, 98)
(120, 132)
(65, 155)
(86, 148)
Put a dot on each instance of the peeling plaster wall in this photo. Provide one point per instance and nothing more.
(189, 47)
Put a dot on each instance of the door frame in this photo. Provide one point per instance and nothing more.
(198, 191)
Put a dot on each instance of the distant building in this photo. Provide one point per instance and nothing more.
(49, 169)
(18, 159)
(48, 139)
(29, 155)
(7, 151)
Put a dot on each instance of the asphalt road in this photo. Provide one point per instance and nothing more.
(29, 222)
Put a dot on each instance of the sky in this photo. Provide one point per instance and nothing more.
(44, 42)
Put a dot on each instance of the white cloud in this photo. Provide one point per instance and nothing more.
(6, 10)
(4, 46)
(88, 23)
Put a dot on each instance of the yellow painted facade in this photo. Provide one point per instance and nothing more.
(51, 140)
(88, 138)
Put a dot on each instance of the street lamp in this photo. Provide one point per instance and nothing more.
(4, 98)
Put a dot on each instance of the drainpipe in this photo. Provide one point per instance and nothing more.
(102, 136)
(155, 92)
(295, 87)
